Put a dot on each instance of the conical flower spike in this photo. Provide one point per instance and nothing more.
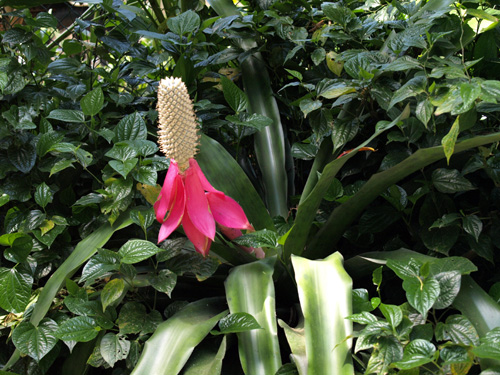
(187, 197)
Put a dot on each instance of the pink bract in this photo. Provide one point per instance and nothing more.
(188, 198)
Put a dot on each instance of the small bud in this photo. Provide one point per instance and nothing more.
(178, 136)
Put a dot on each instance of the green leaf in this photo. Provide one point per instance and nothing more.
(67, 115)
(325, 310)
(181, 334)
(15, 289)
(469, 93)
(333, 89)
(111, 292)
(450, 181)
(457, 329)
(449, 286)
(124, 167)
(253, 120)
(318, 56)
(392, 313)
(454, 354)
(421, 294)
(20, 249)
(416, 353)
(43, 195)
(446, 220)
(309, 105)
(145, 175)
(450, 139)
(131, 318)
(206, 359)
(81, 329)
(261, 238)
(487, 351)
(250, 289)
(362, 318)
(405, 269)
(164, 281)
(440, 240)
(234, 96)
(388, 351)
(134, 251)
(46, 142)
(114, 348)
(61, 165)
(93, 102)
(237, 322)
(450, 264)
(473, 225)
(130, 128)
(122, 151)
(424, 111)
(35, 341)
(184, 23)
(414, 86)
(23, 158)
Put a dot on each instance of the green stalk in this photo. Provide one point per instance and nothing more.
(325, 291)
(82, 252)
(250, 289)
(169, 348)
(346, 213)
(270, 141)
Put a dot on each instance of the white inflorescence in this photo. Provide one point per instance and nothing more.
(177, 127)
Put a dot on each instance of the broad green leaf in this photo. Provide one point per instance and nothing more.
(424, 111)
(35, 341)
(412, 87)
(114, 348)
(9, 238)
(61, 165)
(184, 23)
(333, 89)
(130, 128)
(234, 96)
(469, 93)
(237, 322)
(122, 151)
(473, 225)
(309, 105)
(23, 158)
(325, 309)
(261, 238)
(405, 269)
(81, 329)
(457, 329)
(440, 240)
(131, 318)
(446, 220)
(19, 250)
(206, 360)
(112, 291)
(487, 351)
(145, 175)
(416, 353)
(421, 294)
(388, 351)
(134, 251)
(47, 141)
(450, 139)
(181, 334)
(253, 120)
(454, 354)
(164, 281)
(450, 264)
(318, 56)
(67, 115)
(449, 286)
(124, 167)
(250, 289)
(43, 195)
(450, 181)
(15, 289)
(297, 342)
(93, 102)
(392, 313)
(362, 318)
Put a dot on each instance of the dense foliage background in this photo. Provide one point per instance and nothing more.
(282, 90)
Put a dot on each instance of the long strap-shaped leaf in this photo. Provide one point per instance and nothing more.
(82, 252)
(168, 350)
(325, 291)
(250, 289)
(270, 141)
(347, 212)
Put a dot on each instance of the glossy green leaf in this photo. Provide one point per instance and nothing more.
(15, 289)
(23, 158)
(416, 353)
(325, 310)
(449, 286)
(180, 334)
(114, 348)
(411, 88)
(473, 225)
(424, 111)
(81, 328)
(392, 313)
(250, 289)
(164, 281)
(111, 292)
(297, 342)
(421, 293)
(450, 181)
(124, 167)
(234, 96)
(457, 329)
(93, 102)
(261, 238)
(134, 251)
(35, 341)
(450, 139)
(43, 195)
(61, 165)
(184, 23)
(237, 322)
(206, 360)
(19, 250)
(67, 115)
(309, 105)
(131, 127)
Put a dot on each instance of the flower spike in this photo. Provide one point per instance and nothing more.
(187, 197)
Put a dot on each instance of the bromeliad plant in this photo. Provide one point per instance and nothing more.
(282, 90)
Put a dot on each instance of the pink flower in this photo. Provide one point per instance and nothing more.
(187, 198)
